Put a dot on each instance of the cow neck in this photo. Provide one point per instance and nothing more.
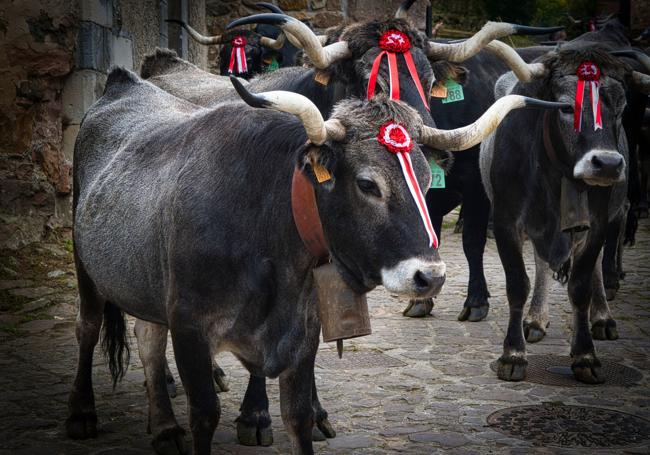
(549, 147)
(307, 218)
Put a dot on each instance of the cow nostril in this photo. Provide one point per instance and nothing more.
(598, 164)
(423, 280)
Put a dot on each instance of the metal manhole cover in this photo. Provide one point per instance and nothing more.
(355, 360)
(556, 370)
(571, 426)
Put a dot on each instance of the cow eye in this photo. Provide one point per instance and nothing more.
(369, 187)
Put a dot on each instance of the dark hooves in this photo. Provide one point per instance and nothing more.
(81, 426)
(418, 308)
(220, 381)
(171, 386)
(610, 293)
(254, 429)
(533, 331)
(317, 435)
(474, 314)
(512, 368)
(588, 371)
(325, 428)
(170, 442)
(604, 330)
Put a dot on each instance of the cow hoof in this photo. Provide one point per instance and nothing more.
(170, 442)
(255, 429)
(475, 314)
(533, 331)
(317, 435)
(604, 330)
(587, 370)
(512, 368)
(610, 293)
(418, 308)
(171, 387)
(81, 426)
(325, 428)
(220, 380)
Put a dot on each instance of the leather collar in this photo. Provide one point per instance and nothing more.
(307, 218)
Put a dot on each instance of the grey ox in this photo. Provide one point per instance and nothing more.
(559, 187)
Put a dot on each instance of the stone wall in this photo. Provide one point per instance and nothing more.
(54, 56)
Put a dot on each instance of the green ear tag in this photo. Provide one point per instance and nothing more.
(454, 92)
(437, 175)
(274, 65)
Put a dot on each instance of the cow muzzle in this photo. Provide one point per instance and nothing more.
(415, 278)
(600, 168)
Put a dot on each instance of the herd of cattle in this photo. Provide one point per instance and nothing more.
(183, 214)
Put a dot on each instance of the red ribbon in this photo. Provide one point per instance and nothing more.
(397, 140)
(238, 55)
(588, 72)
(391, 43)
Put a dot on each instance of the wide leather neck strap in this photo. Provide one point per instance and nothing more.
(306, 217)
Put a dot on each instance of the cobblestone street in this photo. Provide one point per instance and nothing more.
(414, 386)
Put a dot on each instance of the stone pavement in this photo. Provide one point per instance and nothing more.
(433, 398)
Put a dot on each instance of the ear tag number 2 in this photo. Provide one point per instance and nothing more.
(454, 92)
(437, 175)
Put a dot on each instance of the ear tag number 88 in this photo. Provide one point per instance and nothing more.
(454, 92)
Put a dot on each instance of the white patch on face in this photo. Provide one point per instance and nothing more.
(592, 174)
(401, 278)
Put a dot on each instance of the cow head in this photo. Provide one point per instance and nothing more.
(369, 175)
(590, 146)
(241, 50)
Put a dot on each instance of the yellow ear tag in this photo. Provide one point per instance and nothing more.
(322, 77)
(322, 174)
(439, 90)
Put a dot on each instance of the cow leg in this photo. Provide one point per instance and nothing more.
(512, 364)
(254, 421)
(610, 272)
(536, 321)
(586, 366)
(168, 436)
(323, 428)
(194, 361)
(603, 325)
(439, 203)
(476, 214)
(82, 420)
(296, 387)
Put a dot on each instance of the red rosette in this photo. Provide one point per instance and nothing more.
(395, 137)
(238, 41)
(395, 41)
(588, 71)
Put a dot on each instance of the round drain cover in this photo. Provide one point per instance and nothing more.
(556, 370)
(571, 426)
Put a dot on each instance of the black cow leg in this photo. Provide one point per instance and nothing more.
(610, 269)
(82, 419)
(323, 428)
(603, 325)
(168, 436)
(586, 366)
(194, 361)
(254, 421)
(296, 404)
(537, 320)
(512, 364)
(476, 214)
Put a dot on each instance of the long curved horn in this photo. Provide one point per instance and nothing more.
(321, 57)
(271, 43)
(525, 72)
(318, 130)
(403, 10)
(459, 52)
(270, 6)
(470, 135)
(637, 55)
(202, 39)
(275, 9)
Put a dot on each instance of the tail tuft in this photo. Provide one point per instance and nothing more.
(115, 343)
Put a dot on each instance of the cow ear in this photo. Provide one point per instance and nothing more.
(443, 70)
(443, 158)
(319, 164)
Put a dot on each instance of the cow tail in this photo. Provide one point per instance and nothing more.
(114, 342)
(562, 275)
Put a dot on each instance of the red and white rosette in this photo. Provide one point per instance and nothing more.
(238, 56)
(587, 72)
(393, 42)
(397, 140)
